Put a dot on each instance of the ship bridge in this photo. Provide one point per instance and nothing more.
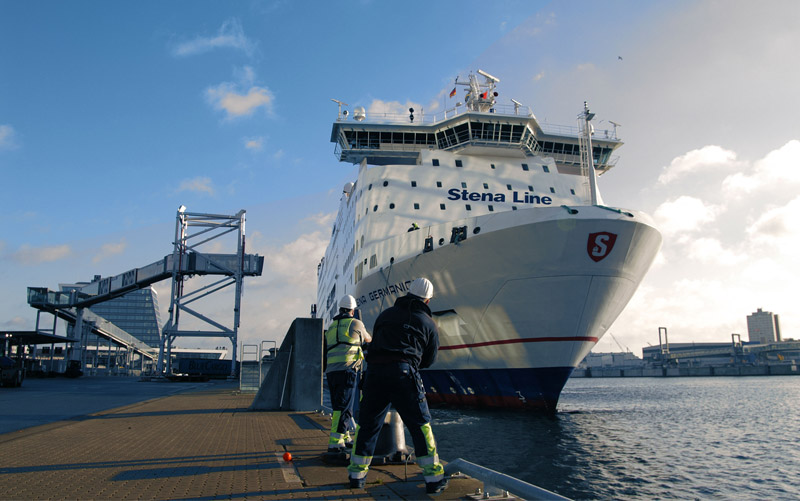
(392, 139)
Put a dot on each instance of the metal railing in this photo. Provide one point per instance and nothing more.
(493, 480)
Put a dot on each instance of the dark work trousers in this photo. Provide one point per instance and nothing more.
(400, 385)
(343, 388)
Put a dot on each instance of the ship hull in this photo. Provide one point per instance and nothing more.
(521, 301)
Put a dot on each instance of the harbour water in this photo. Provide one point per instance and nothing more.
(644, 438)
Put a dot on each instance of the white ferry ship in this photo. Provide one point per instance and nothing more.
(502, 213)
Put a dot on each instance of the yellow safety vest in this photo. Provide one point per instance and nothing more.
(343, 351)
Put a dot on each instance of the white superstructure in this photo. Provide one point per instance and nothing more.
(504, 217)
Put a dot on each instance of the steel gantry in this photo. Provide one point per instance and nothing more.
(192, 231)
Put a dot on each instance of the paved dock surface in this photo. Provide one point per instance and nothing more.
(200, 444)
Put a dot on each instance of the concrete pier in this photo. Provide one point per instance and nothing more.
(202, 443)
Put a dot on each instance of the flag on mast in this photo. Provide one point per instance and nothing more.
(453, 92)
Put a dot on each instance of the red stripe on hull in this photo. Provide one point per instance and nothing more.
(521, 340)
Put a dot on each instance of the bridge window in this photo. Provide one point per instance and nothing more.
(373, 261)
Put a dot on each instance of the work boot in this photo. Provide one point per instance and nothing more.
(357, 483)
(436, 487)
(348, 445)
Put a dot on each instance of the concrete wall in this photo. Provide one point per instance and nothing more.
(294, 381)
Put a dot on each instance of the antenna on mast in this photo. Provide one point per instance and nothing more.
(340, 103)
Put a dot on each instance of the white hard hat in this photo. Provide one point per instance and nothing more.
(347, 302)
(421, 287)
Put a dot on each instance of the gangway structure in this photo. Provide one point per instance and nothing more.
(185, 261)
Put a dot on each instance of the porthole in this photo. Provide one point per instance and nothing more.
(369, 187)
(509, 187)
(485, 186)
(491, 208)
(545, 168)
(493, 167)
(525, 167)
(435, 162)
(386, 183)
(469, 207)
(552, 190)
(459, 163)
(375, 209)
(391, 206)
(438, 184)
(463, 184)
(416, 206)
(441, 241)
(441, 206)
(476, 230)
(413, 184)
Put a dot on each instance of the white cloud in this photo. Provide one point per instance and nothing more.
(710, 250)
(7, 137)
(685, 214)
(241, 98)
(198, 184)
(110, 249)
(17, 323)
(323, 219)
(700, 160)
(296, 262)
(27, 255)
(779, 169)
(778, 228)
(230, 35)
(254, 143)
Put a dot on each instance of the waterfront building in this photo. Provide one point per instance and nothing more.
(137, 313)
(763, 327)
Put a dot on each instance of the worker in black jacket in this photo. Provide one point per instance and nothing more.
(404, 340)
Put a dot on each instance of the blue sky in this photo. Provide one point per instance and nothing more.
(113, 114)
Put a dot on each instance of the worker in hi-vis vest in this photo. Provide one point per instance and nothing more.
(344, 359)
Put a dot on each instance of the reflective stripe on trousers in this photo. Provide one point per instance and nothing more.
(359, 465)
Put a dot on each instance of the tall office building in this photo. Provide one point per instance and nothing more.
(763, 327)
(136, 313)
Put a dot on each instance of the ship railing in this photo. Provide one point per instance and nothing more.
(420, 118)
(499, 484)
